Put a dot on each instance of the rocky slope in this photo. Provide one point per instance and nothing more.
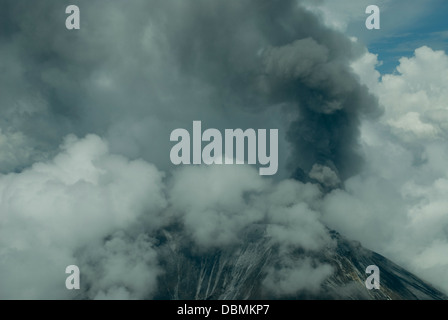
(237, 273)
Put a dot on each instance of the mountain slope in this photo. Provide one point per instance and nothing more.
(238, 272)
(348, 282)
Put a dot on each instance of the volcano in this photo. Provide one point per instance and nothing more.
(238, 272)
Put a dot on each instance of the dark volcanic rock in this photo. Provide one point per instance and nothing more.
(238, 272)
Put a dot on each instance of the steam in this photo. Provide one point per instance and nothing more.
(103, 212)
(85, 121)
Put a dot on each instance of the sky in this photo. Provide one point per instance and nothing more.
(86, 117)
(427, 27)
(405, 26)
(406, 68)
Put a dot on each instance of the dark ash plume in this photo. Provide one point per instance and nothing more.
(135, 71)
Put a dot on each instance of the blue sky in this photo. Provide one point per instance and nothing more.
(405, 26)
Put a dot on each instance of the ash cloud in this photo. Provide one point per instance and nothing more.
(133, 72)
(117, 88)
(105, 213)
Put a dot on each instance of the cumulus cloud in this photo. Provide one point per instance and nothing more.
(293, 276)
(101, 201)
(124, 267)
(397, 205)
(102, 212)
(52, 209)
(222, 203)
(15, 150)
(414, 96)
(290, 210)
(228, 200)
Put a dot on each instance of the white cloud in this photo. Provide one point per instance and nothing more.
(324, 175)
(98, 210)
(227, 199)
(217, 202)
(294, 275)
(339, 14)
(417, 91)
(397, 206)
(415, 97)
(85, 201)
(52, 209)
(123, 268)
(15, 150)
